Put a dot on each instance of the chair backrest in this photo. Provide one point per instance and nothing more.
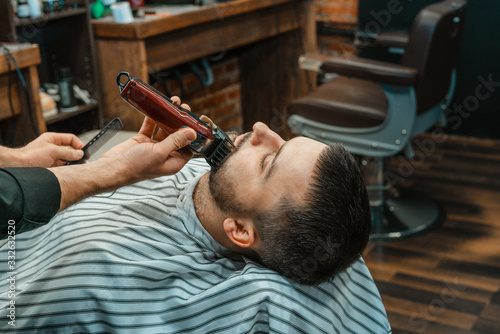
(433, 48)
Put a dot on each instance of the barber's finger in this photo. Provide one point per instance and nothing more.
(66, 139)
(177, 140)
(148, 127)
(185, 153)
(175, 162)
(160, 135)
(175, 99)
(66, 153)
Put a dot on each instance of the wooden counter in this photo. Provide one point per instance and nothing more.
(269, 34)
(27, 57)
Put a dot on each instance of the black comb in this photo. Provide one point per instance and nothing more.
(217, 152)
(99, 140)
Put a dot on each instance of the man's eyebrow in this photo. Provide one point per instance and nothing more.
(273, 163)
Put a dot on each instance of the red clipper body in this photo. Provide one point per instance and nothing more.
(212, 142)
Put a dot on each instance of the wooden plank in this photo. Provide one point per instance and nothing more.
(161, 25)
(20, 130)
(26, 55)
(491, 311)
(6, 23)
(382, 273)
(467, 144)
(459, 241)
(34, 90)
(463, 174)
(403, 324)
(449, 298)
(115, 57)
(184, 45)
(421, 269)
(272, 66)
(479, 269)
(449, 288)
(5, 108)
(263, 29)
(464, 188)
(23, 127)
(487, 326)
(420, 314)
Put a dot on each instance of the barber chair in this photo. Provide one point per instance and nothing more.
(374, 108)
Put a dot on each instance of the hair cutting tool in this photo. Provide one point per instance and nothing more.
(211, 142)
(99, 140)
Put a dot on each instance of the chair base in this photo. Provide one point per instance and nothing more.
(406, 215)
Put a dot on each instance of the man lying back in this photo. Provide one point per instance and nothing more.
(164, 255)
(299, 207)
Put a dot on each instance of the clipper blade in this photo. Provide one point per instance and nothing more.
(217, 152)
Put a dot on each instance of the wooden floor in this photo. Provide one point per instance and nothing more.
(448, 280)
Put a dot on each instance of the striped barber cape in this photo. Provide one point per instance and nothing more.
(139, 261)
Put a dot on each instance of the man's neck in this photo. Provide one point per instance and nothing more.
(208, 213)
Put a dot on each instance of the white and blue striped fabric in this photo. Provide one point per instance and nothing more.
(139, 261)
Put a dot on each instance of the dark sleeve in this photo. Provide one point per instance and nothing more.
(30, 196)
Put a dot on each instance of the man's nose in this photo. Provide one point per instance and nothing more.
(262, 135)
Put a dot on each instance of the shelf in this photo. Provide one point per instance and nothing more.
(49, 17)
(66, 40)
(65, 115)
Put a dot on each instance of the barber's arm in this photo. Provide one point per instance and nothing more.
(48, 150)
(30, 197)
(137, 159)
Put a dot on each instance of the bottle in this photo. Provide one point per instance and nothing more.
(67, 102)
(97, 9)
(35, 8)
(23, 10)
(50, 6)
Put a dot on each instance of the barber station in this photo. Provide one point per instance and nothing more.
(249, 166)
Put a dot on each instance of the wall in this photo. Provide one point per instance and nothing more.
(476, 104)
(475, 109)
(340, 13)
(220, 101)
(336, 23)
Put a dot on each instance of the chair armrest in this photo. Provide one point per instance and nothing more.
(378, 71)
(392, 39)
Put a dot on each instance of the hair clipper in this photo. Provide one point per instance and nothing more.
(211, 142)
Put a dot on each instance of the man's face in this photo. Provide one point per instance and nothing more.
(262, 170)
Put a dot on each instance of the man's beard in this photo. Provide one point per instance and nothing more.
(221, 183)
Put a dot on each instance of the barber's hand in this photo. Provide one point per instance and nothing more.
(49, 150)
(144, 158)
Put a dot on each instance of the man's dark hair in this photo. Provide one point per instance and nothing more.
(313, 242)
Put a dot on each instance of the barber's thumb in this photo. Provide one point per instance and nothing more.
(189, 134)
(185, 136)
(76, 154)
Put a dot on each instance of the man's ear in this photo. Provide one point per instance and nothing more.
(240, 231)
